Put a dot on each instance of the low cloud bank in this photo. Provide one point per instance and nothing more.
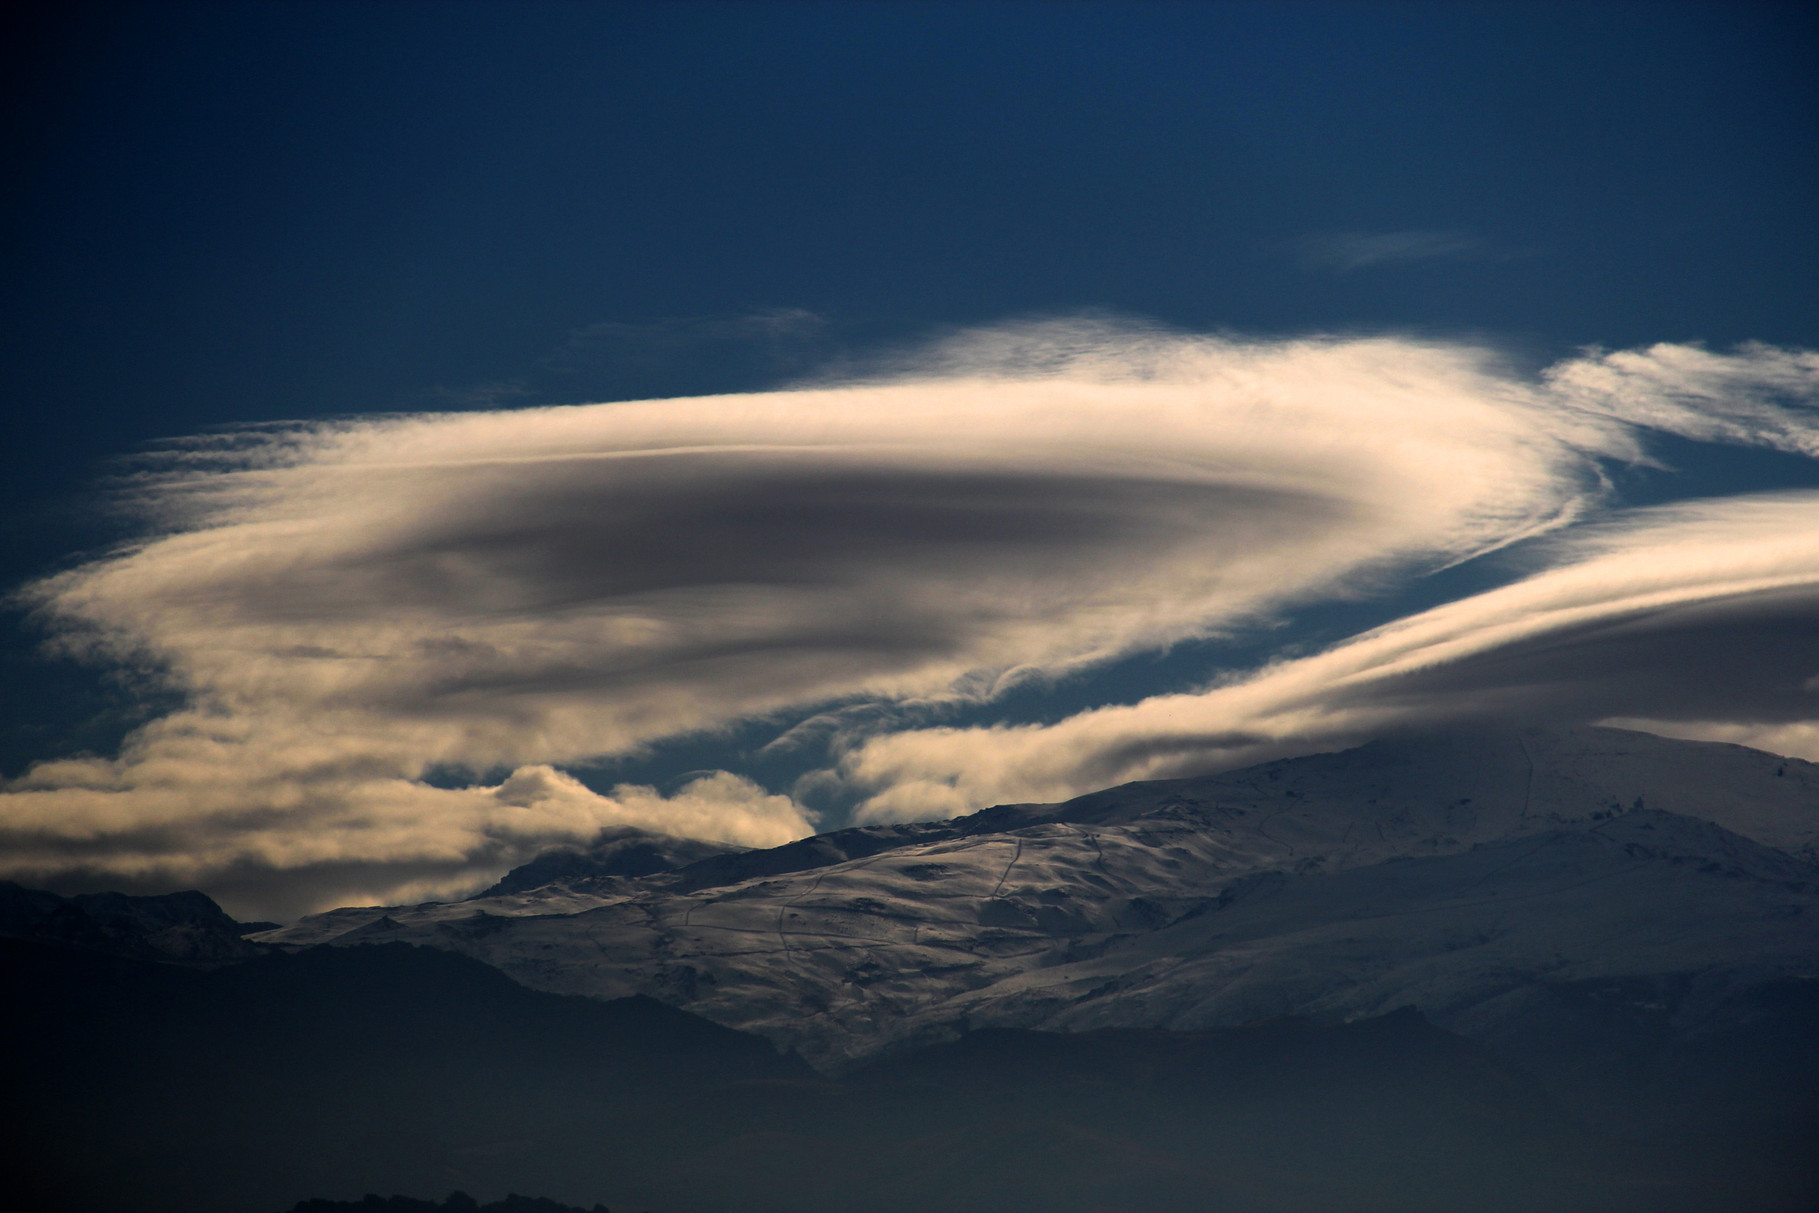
(350, 607)
(282, 842)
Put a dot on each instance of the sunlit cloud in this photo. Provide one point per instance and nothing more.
(1754, 396)
(354, 610)
(1682, 616)
(193, 802)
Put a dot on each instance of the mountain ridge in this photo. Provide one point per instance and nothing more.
(185, 927)
(1125, 907)
(1616, 932)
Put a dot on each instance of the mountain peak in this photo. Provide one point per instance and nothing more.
(617, 851)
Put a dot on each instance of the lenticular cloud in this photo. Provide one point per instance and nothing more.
(1672, 619)
(349, 607)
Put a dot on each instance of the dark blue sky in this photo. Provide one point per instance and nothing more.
(222, 214)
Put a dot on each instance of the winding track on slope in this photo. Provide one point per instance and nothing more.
(1528, 791)
(1261, 825)
(782, 931)
(1005, 875)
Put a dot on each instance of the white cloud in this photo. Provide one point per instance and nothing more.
(1755, 396)
(194, 801)
(1683, 614)
(351, 606)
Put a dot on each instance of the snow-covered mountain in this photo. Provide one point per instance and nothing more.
(618, 851)
(1524, 889)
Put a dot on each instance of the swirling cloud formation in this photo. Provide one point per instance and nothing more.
(351, 609)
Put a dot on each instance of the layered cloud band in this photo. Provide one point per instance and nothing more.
(350, 608)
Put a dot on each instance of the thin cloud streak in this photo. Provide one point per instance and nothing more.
(351, 607)
(1345, 252)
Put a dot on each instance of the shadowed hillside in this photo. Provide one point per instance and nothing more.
(146, 1088)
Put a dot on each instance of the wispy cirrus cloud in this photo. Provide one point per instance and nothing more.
(1756, 395)
(1344, 252)
(351, 608)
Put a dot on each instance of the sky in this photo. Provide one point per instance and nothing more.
(438, 432)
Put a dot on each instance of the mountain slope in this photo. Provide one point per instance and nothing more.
(618, 851)
(183, 927)
(1564, 969)
(1444, 873)
(136, 1087)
